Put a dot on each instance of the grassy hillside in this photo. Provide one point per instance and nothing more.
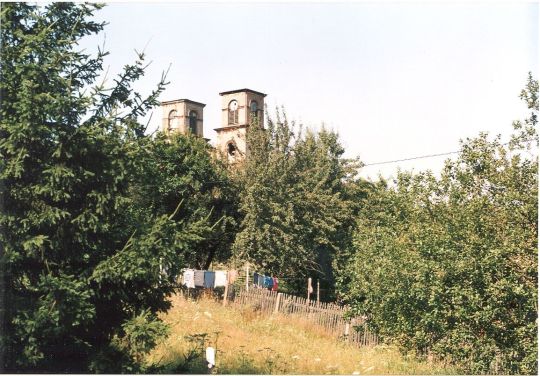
(247, 342)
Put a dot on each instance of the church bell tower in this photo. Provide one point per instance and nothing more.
(239, 108)
(182, 116)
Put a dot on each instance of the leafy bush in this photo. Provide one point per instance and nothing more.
(448, 265)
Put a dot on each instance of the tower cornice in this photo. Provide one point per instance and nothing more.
(241, 91)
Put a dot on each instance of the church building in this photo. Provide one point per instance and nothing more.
(239, 108)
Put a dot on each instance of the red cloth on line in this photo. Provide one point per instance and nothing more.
(275, 285)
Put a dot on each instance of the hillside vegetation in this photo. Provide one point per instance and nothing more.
(99, 216)
(248, 342)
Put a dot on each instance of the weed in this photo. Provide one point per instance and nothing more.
(248, 342)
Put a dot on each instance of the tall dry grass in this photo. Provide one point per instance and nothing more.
(249, 343)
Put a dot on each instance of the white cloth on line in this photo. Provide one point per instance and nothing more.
(221, 278)
(189, 278)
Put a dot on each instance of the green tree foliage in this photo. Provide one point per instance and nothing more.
(82, 257)
(294, 204)
(448, 265)
(181, 169)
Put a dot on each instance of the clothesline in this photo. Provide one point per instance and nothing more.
(208, 279)
(242, 277)
(220, 278)
(261, 280)
(192, 278)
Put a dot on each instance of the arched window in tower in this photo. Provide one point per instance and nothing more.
(173, 121)
(233, 112)
(231, 149)
(193, 122)
(253, 106)
(253, 109)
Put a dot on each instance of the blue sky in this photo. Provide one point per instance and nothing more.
(395, 79)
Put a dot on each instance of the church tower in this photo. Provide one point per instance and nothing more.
(182, 115)
(238, 107)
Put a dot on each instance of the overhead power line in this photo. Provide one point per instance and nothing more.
(422, 157)
(411, 158)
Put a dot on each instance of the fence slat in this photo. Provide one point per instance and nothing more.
(329, 316)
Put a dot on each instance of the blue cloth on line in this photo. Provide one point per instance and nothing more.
(255, 278)
(260, 282)
(268, 282)
(209, 278)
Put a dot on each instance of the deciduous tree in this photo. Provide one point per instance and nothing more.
(448, 265)
(296, 212)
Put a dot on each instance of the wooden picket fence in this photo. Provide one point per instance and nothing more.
(328, 316)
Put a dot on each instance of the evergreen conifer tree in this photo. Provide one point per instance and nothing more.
(82, 262)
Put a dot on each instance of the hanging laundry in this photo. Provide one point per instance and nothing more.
(199, 278)
(268, 282)
(189, 278)
(255, 279)
(260, 281)
(233, 276)
(275, 284)
(209, 278)
(220, 278)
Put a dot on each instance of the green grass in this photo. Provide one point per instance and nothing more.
(248, 343)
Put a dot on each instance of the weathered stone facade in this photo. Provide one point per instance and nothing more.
(238, 109)
(182, 115)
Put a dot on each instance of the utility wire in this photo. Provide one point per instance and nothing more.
(423, 156)
(410, 159)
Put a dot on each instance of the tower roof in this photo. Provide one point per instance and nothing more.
(240, 90)
(183, 100)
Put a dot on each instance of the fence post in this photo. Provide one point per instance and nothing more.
(247, 277)
(276, 307)
(226, 290)
(318, 292)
